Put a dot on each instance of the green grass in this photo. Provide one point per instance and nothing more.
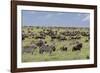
(57, 55)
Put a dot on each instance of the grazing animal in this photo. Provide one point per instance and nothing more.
(39, 37)
(87, 57)
(86, 40)
(85, 33)
(42, 33)
(64, 48)
(53, 37)
(62, 38)
(47, 48)
(44, 48)
(77, 47)
(75, 37)
(24, 35)
(32, 34)
(29, 49)
(53, 47)
(40, 43)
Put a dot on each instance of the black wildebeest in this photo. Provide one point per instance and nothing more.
(29, 49)
(77, 47)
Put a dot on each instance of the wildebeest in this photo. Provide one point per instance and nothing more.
(86, 40)
(64, 48)
(87, 57)
(53, 37)
(24, 35)
(51, 33)
(75, 37)
(53, 47)
(85, 33)
(32, 34)
(61, 38)
(77, 47)
(29, 49)
(40, 43)
(74, 42)
(39, 37)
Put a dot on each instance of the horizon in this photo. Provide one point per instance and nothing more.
(53, 27)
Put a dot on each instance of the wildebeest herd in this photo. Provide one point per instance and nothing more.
(54, 43)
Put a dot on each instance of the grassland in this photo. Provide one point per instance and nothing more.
(57, 55)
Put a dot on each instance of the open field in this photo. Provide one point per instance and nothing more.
(55, 43)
